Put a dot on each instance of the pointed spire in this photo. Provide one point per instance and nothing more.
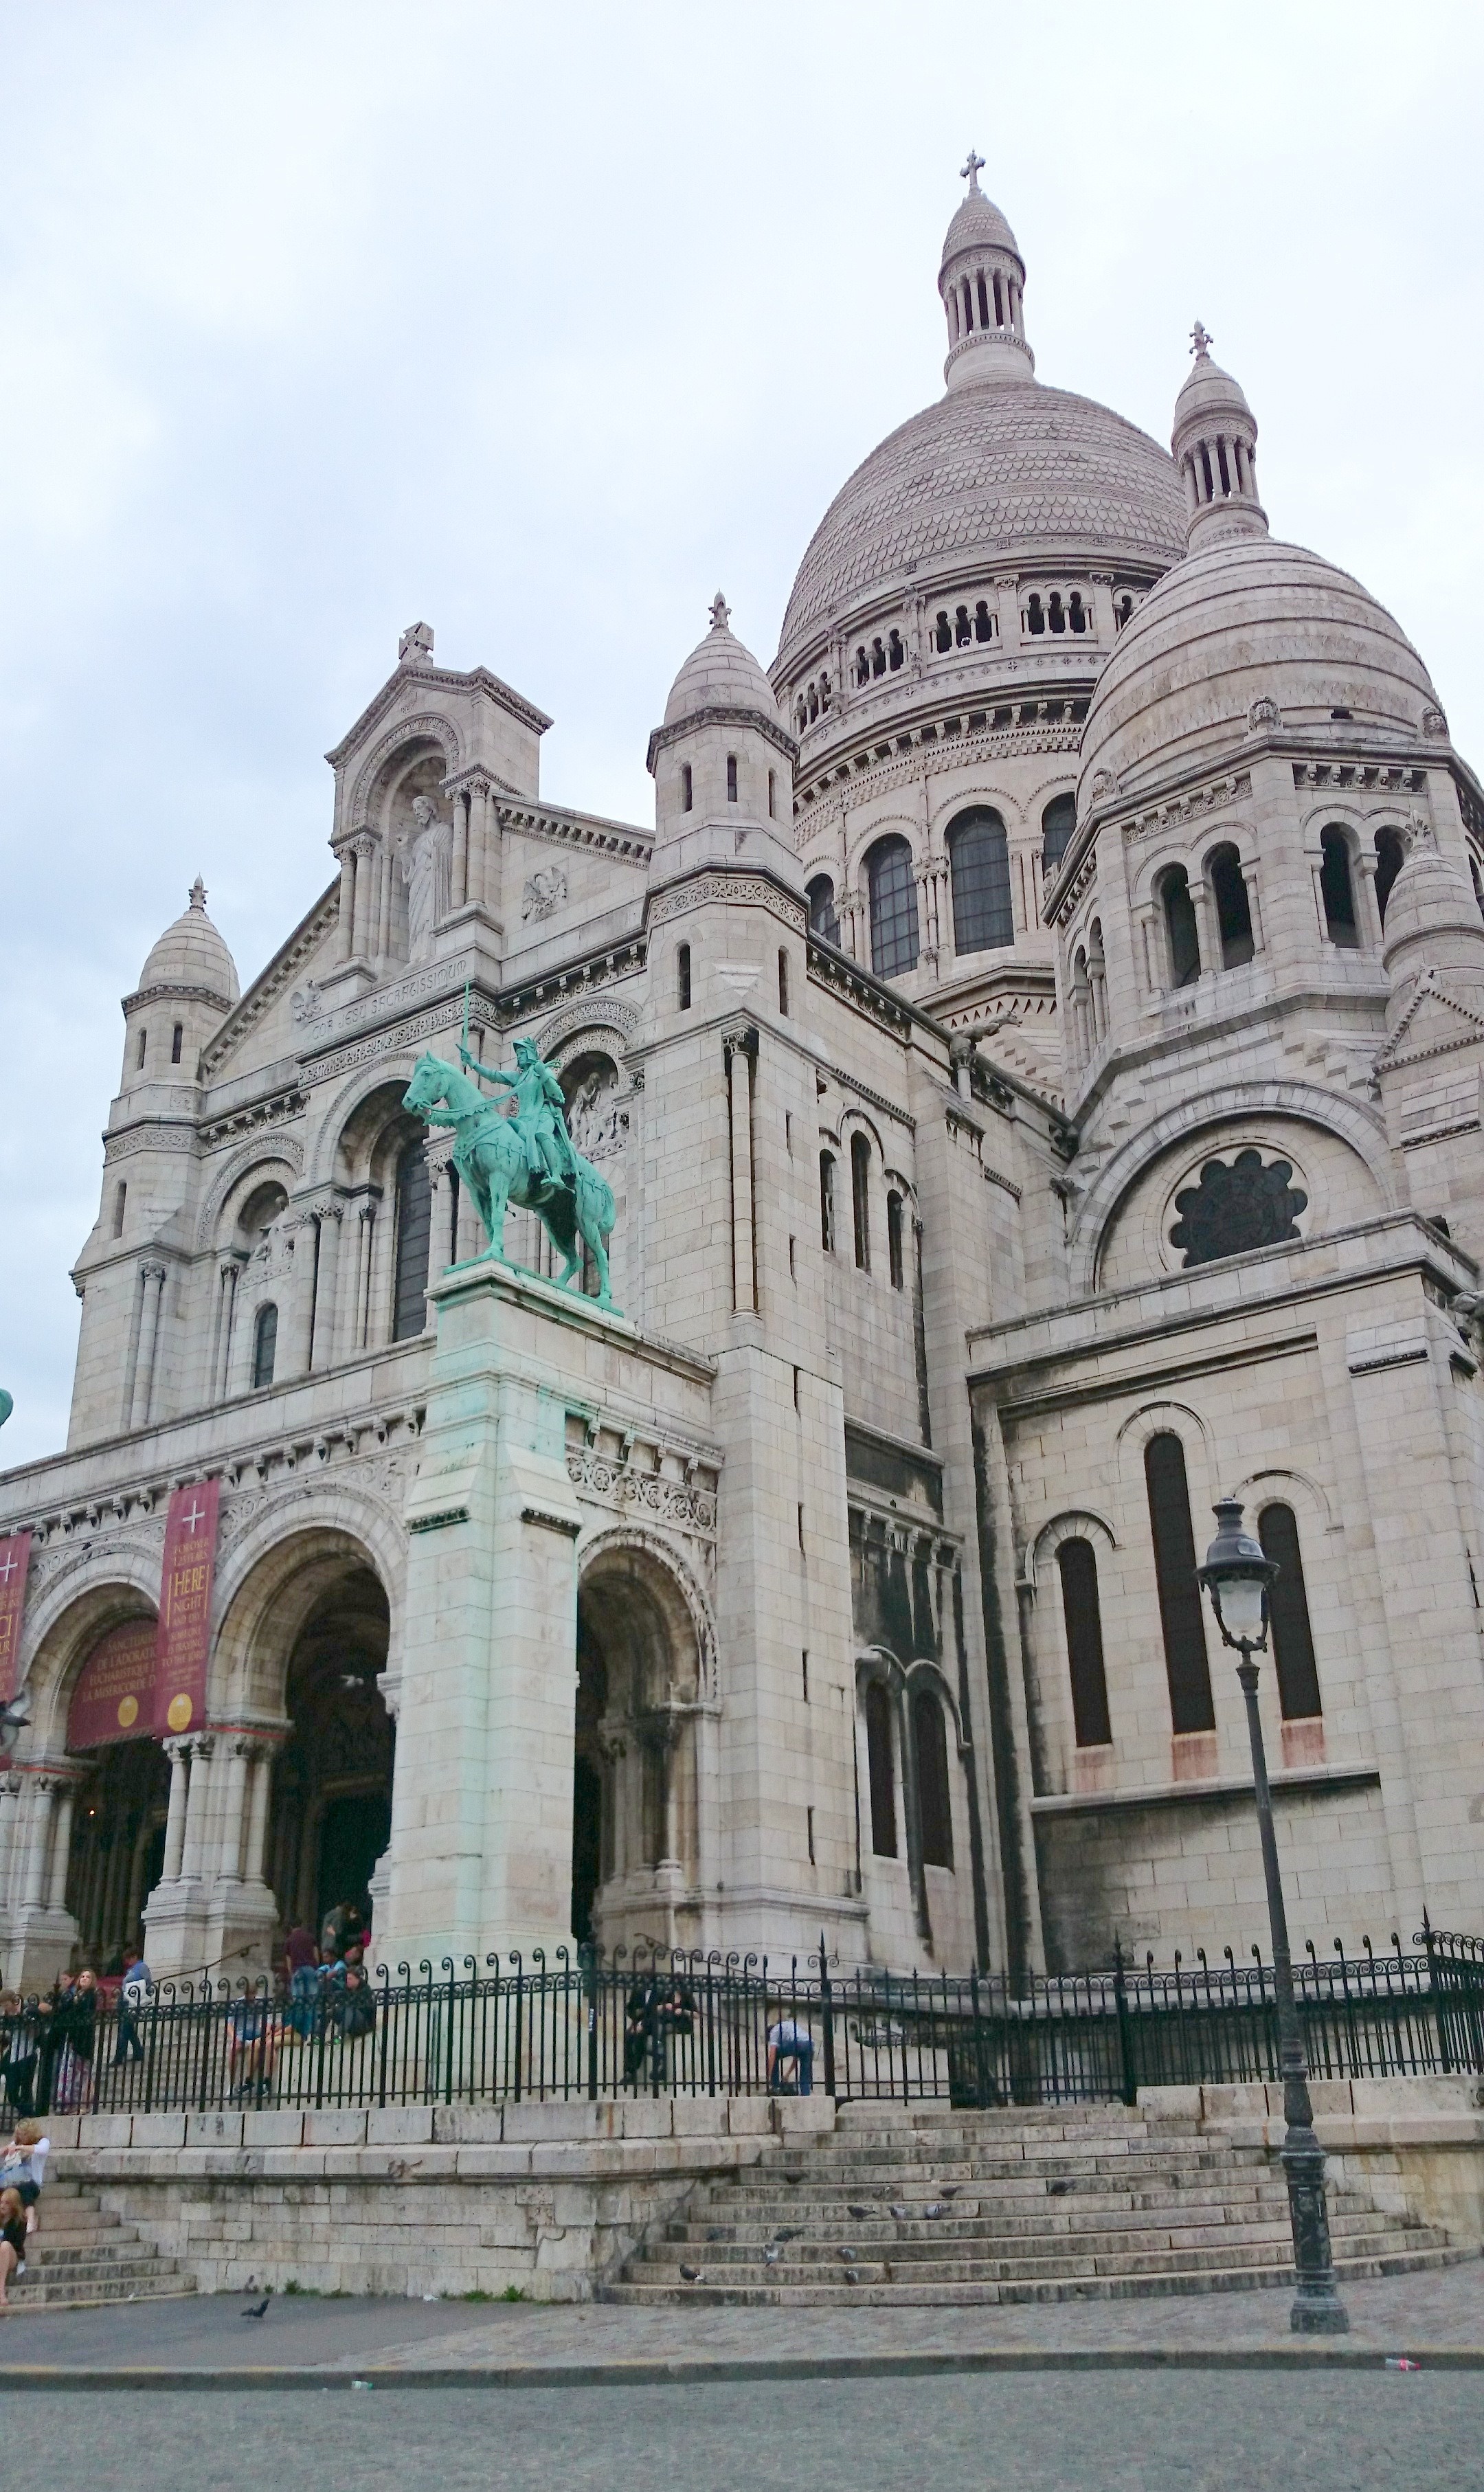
(721, 613)
(1214, 441)
(980, 280)
(197, 896)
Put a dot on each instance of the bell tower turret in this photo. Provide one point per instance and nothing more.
(982, 283)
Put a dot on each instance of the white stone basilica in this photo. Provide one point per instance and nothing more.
(1036, 1052)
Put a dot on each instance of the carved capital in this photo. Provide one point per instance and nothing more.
(151, 1271)
(362, 845)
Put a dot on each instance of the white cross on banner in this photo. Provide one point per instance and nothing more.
(186, 1586)
(15, 1559)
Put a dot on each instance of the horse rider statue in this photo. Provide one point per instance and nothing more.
(540, 1112)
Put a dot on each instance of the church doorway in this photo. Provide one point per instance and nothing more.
(331, 1791)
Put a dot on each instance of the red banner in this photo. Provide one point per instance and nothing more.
(185, 1608)
(15, 1559)
(114, 1695)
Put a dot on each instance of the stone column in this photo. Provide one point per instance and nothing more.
(234, 1809)
(1254, 906)
(365, 1233)
(1367, 907)
(10, 1818)
(228, 1273)
(329, 1216)
(38, 1842)
(363, 848)
(739, 1055)
(344, 932)
(60, 1831)
(296, 1316)
(260, 1757)
(482, 834)
(386, 873)
(152, 1278)
(1206, 944)
(197, 1808)
(179, 1753)
(459, 870)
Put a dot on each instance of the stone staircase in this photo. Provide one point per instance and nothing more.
(925, 2205)
(83, 2253)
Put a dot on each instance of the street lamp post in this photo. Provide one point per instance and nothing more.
(1237, 1577)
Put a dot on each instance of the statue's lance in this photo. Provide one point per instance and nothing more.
(466, 1015)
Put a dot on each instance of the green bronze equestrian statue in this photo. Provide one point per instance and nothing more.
(526, 1159)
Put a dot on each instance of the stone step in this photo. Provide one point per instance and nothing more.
(1060, 2288)
(977, 2262)
(696, 2242)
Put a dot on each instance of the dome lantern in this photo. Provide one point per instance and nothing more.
(982, 282)
(1214, 440)
(187, 987)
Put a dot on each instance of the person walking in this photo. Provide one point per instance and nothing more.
(133, 1998)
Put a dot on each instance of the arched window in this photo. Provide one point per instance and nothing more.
(942, 631)
(1337, 890)
(1123, 607)
(877, 658)
(934, 1798)
(682, 977)
(896, 652)
(894, 1256)
(1234, 914)
(177, 1041)
(414, 1230)
(962, 629)
(1078, 1565)
(880, 1771)
(1182, 942)
(1388, 866)
(861, 667)
(1077, 612)
(979, 858)
(893, 908)
(860, 1199)
(731, 778)
(1179, 1595)
(1035, 619)
(823, 920)
(265, 1345)
(1287, 1605)
(984, 621)
(1058, 823)
(827, 1201)
(783, 984)
(1054, 614)
(687, 787)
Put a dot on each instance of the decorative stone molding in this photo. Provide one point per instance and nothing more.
(284, 1104)
(307, 938)
(576, 830)
(682, 1504)
(607, 1014)
(1359, 774)
(718, 889)
(148, 1138)
(286, 1149)
(436, 727)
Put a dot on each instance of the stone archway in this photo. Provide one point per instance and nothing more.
(641, 1685)
(331, 1813)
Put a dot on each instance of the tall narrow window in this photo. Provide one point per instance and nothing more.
(687, 787)
(893, 908)
(140, 1053)
(1078, 1565)
(880, 1771)
(414, 1236)
(1058, 823)
(1298, 1678)
(731, 778)
(120, 1199)
(827, 1201)
(772, 791)
(894, 1238)
(1388, 868)
(1179, 1595)
(1182, 941)
(682, 977)
(1234, 914)
(979, 857)
(1337, 890)
(265, 1344)
(177, 1041)
(934, 1798)
(823, 920)
(783, 984)
(860, 1199)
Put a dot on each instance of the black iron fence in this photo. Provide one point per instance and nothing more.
(596, 2027)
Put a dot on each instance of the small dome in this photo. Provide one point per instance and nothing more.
(1245, 636)
(1208, 391)
(977, 221)
(191, 953)
(720, 675)
(1430, 897)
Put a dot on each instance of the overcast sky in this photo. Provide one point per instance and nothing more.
(542, 324)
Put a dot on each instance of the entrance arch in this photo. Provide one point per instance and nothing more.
(119, 1805)
(331, 1813)
(643, 1669)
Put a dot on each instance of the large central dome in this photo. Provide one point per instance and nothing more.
(1007, 472)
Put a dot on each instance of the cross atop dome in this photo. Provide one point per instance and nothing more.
(1201, 342)
(198, 895)
(972, 171)
(721, 613)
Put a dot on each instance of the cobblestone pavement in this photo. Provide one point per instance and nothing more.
(207, 2332)
(1128, 2431)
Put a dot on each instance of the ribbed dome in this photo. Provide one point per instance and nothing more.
(1008, 473)
(977, 219)
(720, 675)
(1429, 898)
(1208, 391)
(1243, 624)
(192, 953)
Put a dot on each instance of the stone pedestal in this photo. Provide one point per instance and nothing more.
(481, 1852)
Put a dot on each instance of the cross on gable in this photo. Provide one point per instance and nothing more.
(972, 171)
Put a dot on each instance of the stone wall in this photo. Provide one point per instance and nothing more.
(547, 2198)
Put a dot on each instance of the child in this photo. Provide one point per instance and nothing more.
(13, 2240)
(23, 2166)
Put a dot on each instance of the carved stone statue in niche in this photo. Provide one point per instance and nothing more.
(595, 1122)
(425, 855)
(1235, 1207)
